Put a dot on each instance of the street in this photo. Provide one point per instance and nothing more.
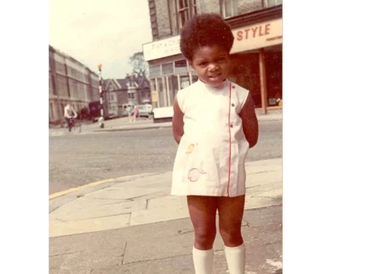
(76, 160)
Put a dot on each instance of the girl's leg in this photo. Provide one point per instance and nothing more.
(202, 212)
(230, 219)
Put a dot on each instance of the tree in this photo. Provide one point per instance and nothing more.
(140, 66)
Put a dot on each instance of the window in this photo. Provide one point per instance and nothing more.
(229, 8)
(152, 85)
(155, 71)
(60, 68)
(180, 12)
(61, 85)
(167, 68)
(173, 86)
(271, 3)
(181, 66)
(184, 81)
(161, 92)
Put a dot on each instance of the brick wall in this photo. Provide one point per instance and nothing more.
(205, 6)
(163, 18)
(160, 17)
(246, 6)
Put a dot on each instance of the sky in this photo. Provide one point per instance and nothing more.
(94, 32)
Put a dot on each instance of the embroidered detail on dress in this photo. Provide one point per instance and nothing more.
(190, 149)
(194, 174)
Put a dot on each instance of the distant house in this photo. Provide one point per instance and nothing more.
(119, 93)
(111, 86)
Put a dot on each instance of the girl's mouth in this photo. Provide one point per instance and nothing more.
(214, 77)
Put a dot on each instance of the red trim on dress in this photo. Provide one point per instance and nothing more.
(230, 141)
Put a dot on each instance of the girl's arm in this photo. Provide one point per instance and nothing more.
(177, 122)
(249, 122)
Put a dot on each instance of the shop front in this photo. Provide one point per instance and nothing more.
(255, 62)
(167, 77)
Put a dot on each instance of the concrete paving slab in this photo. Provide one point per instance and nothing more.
(122, 193)
(158, 215)
(94, 211)
(90, 225)
(167, 201)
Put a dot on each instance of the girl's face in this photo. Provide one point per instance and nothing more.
(211, 64)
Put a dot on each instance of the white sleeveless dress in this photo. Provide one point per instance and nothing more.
(210, 160)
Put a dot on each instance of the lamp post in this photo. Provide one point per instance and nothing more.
(101, 118)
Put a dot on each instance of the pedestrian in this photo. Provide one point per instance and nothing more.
(135, 112)
(129, 112)
(215, 124)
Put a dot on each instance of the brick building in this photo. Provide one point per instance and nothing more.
(256, 55)
(69, 81)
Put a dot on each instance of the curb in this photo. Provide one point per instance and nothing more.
(74, 189)
(133, 129)
(156, 126)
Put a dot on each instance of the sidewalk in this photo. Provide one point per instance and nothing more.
(133, 225)
(123, 124)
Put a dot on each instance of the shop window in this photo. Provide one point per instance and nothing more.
(167, 69)
(229, 8)
(152, 84)
(184, 81)
(161, 92)
(173, 87)
(181, 66)
(155, 71)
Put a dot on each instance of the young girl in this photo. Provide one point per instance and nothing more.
(215, 124)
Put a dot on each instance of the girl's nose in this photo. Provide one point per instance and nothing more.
(213, 67)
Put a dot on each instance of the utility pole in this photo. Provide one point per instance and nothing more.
(101, 118)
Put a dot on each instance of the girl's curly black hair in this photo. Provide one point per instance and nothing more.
(206, 29)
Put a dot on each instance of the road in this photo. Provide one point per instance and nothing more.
(76, 160)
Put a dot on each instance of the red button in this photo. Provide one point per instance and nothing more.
(232, 105)
(233, 87)
(231, 125)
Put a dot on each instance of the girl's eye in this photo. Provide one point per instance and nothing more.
(203, 64)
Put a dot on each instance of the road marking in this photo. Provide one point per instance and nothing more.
(70, 190)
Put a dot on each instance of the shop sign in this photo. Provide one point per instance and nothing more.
(162, 48)
(251, 37)
(256, 36)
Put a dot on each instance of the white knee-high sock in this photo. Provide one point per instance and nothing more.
(203, 261)
(236, 259)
